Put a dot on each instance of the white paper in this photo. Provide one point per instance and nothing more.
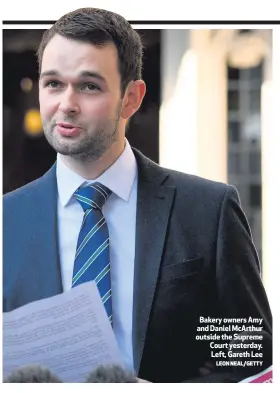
(69, 333)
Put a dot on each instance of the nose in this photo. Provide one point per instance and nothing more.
(69, 102)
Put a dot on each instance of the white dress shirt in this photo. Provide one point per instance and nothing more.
(120, 214)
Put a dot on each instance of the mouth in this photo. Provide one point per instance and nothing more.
(67, 129)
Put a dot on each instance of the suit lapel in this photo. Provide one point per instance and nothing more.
(45, 239)
(154, 203)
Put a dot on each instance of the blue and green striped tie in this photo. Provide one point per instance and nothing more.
(92, 260)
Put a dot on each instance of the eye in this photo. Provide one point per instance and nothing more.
(90, 87)
(53, 84)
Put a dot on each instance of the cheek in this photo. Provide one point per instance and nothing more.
(47, 106)
(99, 108)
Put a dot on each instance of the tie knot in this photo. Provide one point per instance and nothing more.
(92, 196)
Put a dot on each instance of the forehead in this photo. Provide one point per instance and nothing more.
(70, 56)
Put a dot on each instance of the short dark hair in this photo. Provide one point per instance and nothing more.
(100, 27)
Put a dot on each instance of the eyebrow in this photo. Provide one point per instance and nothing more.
(82, 74)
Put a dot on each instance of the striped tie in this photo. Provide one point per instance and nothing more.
(92, 255)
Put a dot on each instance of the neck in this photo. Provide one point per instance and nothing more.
(92, 169)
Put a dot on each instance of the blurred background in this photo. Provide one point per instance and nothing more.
(206, 112)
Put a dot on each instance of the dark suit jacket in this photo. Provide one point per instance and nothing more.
(194, 257)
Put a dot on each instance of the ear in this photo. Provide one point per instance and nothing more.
(133, 98)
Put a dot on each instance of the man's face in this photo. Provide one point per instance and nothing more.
(80, 97)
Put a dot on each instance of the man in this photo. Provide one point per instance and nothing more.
(178, 247)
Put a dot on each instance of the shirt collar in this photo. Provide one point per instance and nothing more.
(119, 177)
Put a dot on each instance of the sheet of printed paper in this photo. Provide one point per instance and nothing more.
(69, 333)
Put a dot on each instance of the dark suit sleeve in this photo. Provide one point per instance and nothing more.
(240, 289)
